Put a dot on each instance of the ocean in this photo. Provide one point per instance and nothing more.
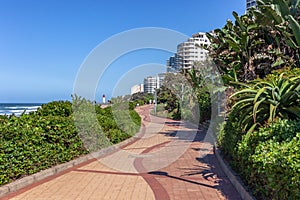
(18, 108)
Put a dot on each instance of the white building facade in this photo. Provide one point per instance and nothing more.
(137, 88)
(191, 51)
(151, 83)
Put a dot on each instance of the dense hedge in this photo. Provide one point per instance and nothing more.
(267, 157)
(271, 158)
(141, 98)
(268, 160)
(39, 140)
(230, 134)
(119, 121)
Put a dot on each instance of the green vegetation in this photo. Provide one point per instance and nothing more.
(263, 40)
(39, 140)
(141, 98)
(186, 96)
(161, 111)
(201, 90)
(271, 160)
(258, 57)
(265, 100)
(266, 159)
(171, 95)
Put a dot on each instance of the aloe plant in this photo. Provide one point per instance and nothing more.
(262, 101)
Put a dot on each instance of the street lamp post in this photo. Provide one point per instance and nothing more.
(155, 93)
(155, 101)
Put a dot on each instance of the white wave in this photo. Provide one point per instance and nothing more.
(33, 107)
(14, 107)
(18, 109)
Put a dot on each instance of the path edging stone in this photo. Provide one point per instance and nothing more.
(233, 177)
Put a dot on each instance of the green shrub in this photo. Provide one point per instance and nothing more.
(141, 98)
(270, 160)
(42, 139)
(56, 108)
(230, 134)
(263, 101)
(31, 143)
(204, 102)
(136, 119)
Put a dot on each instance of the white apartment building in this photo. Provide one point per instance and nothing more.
(137, 88)
(153, 82)
(191, 51)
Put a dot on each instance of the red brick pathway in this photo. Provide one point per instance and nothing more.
(166, 163)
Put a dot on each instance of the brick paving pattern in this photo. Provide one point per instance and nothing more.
(166, 163)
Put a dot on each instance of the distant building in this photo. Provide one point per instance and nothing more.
(174, 63)
(150, 84)
(153, 82)
(250, 3)
(160, 80)
(191, 51)
(137, 89)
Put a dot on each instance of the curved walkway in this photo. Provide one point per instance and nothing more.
(165, 161)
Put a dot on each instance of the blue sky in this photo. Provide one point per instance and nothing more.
(43, 43)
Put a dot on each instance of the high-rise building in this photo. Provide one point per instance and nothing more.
(137, 89)
(153, 82)
(174, 63)
(191, 50)
(250, 3)
(150, 84)
(160, 80)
